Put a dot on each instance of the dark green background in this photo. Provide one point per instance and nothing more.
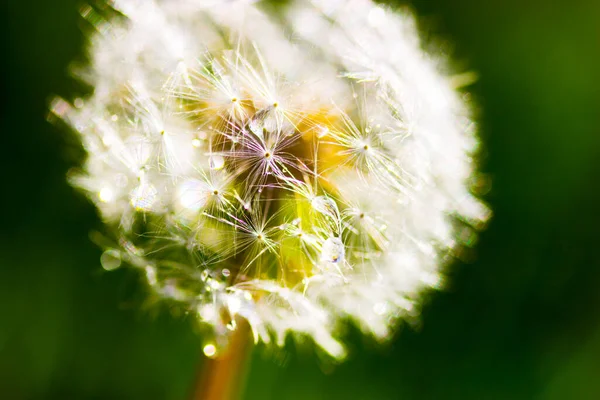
(521, 322)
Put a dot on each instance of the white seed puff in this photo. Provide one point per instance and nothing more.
(292, 169)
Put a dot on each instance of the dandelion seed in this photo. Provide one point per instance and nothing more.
(144, 197)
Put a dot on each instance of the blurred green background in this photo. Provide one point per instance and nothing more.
(520, 322)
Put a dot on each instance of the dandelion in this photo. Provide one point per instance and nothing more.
(291, 172)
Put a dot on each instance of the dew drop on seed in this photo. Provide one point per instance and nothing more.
(202, 135)
(216, 161)
(143, 197)
(325, 205)
(210, 350)
(110, 260)
(106, 195)
(333, 250)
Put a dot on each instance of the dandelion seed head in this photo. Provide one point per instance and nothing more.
(294, 172)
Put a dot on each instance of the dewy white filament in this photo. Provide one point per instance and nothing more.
(292, 170)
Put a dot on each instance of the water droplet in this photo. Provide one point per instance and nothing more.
(325, 205)
(110, 260)
(144, 197)
(226, 272)
(256, 126)
(210, 350)
(202, 135)
(333, 250)
(106, 195)
(216, 161)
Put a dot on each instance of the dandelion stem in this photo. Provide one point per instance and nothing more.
(223, 377)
